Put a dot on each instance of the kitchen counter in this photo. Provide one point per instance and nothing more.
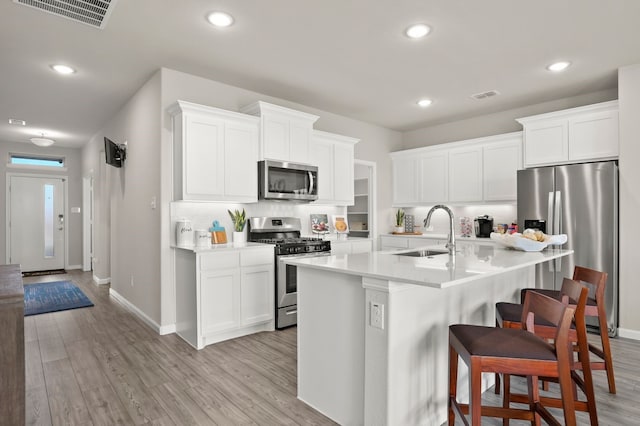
(433, 236)
(472, 261)
(223, 247)
(373, 327)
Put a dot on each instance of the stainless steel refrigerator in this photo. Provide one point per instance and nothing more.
(580, 200)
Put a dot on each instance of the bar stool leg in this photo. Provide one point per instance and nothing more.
(453, 384)
(534, 398)
(475, 389)
(506, 396)
(606, 349)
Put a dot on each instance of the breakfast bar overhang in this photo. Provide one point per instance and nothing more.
(373, 327)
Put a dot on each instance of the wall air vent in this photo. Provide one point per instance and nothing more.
(485, 95)
(90, 12)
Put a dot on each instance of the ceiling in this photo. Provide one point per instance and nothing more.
(347, 57)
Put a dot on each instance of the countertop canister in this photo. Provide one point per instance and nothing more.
(184, 233)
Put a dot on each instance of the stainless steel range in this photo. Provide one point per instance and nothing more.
(284, 232)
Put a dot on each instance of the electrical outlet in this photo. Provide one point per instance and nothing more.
(377, 315)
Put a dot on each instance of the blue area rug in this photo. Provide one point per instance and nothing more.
(52, 297)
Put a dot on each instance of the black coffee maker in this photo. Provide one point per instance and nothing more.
(483, 226)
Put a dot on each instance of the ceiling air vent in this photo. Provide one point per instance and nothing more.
(90, 12)
(485, 95)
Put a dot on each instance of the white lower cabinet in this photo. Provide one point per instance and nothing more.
(389, 242)
(352, 246)
(222, 294)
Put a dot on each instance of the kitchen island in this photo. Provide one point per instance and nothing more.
(373, 327)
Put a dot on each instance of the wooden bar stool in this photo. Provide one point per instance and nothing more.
(596, 281)
(508, 315)
(514, 351)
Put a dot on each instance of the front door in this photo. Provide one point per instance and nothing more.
(37, 223)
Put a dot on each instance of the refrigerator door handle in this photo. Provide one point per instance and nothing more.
(557, 211)
(550, 224)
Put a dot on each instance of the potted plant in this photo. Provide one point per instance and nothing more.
(399, 221)
(239, 220)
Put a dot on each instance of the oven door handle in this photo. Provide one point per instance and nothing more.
(311, 182)
(292, 312)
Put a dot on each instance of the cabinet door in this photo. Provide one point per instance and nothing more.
(361, 246)
(340, 247)
(275, 137)
(299, 141)
(240, 159)
(343, 174)
(322, 154)
(387, 242)
(594, 136)
(501, 162)
(257, 293)
(433, 177)
(203, 158)
(465, 174)
(219, 297)
(405, 180)
(546, 142)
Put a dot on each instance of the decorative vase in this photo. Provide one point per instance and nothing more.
(398, 229)
(239, 237)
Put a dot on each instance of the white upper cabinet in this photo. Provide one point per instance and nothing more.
(501, 161)
(405, 180)
(433, 173)
(471, 171)
(333, 154)
(465, 174)
(285, 134)
(215, 154)
(572, 135)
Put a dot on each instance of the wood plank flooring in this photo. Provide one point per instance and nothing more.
(103, 366)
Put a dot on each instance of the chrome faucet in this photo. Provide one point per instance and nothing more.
(451, 243)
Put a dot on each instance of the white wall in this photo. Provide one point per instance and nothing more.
(629, 86)
(497, 123)
(74, 187)
(123, 196)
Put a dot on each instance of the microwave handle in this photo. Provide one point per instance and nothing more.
(311, 183)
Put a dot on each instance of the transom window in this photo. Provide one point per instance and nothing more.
(27, 160)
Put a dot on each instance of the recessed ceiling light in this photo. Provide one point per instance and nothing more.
(63, 69)
(220, 19)
(417, 31)
(559, 66)
(424, 102)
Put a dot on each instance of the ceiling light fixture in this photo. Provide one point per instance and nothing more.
(417, 31)
(63, 69)
(220, 19)
(424, 102)
(559, 66)
(17, 122)
(42, 141)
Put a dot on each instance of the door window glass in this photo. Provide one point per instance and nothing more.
(48, 220)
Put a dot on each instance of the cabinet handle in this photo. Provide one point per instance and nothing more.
(310, 182)
(295, 311)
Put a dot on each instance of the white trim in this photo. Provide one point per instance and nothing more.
(87, 188)
(101, 281)
(629, 334)
(74, 267)
(134, 310)
(167, 329)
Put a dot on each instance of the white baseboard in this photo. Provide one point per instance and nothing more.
(101, 281)
(629, 334)
(74, 267)
(167, 329)
(137, 312)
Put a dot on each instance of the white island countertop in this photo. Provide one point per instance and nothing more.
(471, 261)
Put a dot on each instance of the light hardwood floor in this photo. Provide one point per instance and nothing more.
(103, 366)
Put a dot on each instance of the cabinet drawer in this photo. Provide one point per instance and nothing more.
(394, 242)
(256, 257)
(230, 259)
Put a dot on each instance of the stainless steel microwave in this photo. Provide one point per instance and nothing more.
(280, 180)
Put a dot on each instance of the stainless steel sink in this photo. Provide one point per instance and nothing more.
(423, 253)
